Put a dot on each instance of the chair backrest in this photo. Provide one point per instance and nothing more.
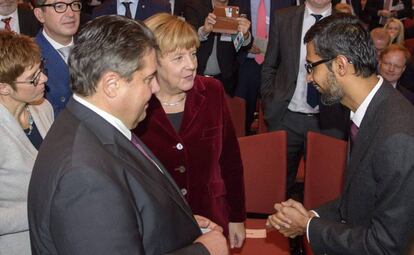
(409, 44)
(237, 109)
(264, 161)
(324, 169)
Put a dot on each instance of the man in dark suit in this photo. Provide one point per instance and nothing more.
(392, 64)
(378, 12)
(19, 17)
(138, 9)
(95, 187)
(217, 56)
(374, 214)
(288, 102)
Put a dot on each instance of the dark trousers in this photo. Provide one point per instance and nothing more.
(248, 87)
(297, 126)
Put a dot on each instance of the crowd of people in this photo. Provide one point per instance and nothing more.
(116, 136)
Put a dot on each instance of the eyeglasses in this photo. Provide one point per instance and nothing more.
(309, 66)
(36, 77)
(61, 7)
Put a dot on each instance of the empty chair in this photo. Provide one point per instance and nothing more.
(264, 162)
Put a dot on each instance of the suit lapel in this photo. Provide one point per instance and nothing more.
(120, 147)
(367, 131)
(296, 35)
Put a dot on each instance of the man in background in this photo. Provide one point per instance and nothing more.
(60, 19)
(18, 18)
(133, 9)
(95, 187)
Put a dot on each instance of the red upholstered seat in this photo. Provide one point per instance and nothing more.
(237, 108)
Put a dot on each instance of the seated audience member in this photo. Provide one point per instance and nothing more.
(18, 18)
(381, 39)
(95, 187)
(343, 8)
(25, 117)
(374, 213)
(134, 9)
(380, 10)
(392, 64)
(189, 129)
(217, 56)
(395, 29)
(60, 23)
(355, 6)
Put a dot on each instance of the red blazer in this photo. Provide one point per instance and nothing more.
(204, 157)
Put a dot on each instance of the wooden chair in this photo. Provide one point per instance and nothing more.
(237, 108)
(324, 171)
(264, 162)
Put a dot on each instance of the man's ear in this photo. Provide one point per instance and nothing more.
(5, 89)
(110, 84)
(40, 15)
(343, 65)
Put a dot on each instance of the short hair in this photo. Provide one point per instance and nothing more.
(344, 34)
(108, 43)
(400, 37)
(381, 34)
(172, 32)
(17, 53)
(394, 48)
(38, 2)
(343, 8)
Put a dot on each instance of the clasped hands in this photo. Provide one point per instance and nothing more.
(290, 218)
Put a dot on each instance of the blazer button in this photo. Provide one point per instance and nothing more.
(184, 192)
(179, 146)
(62, 99)
(180, 169)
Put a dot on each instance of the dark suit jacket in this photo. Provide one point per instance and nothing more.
(374, 215)
(28, 23)
(405, 92)
(209, 166)
(280, 70)
(145, 9)
(195, 12)
(356, 5)
(373, 6)
(58, 89)
(93, 192)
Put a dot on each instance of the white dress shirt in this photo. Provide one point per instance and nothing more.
(121, 8)
(14, 22)
(57, 45)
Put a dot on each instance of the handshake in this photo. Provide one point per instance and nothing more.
(290, 219)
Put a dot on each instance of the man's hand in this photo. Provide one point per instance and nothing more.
(244, 25)
(254, 49)
(215, 242)
(237, 234)
(290, 219)
(209, 23)
(203, 222)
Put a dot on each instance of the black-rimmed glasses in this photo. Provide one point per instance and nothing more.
(309, 66)
(61, 7)
(36, 77)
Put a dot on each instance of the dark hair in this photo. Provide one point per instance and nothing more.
(344, 34)
(17, 53)
(108, 43)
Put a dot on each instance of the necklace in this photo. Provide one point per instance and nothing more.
(175, 103)
(30, 121)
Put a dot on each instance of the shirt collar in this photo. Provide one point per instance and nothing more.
(114, 121)
(359, 114)
(119, 2)
(55, 44)
(327, 12)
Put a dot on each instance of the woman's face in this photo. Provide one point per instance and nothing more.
(176, 70)
(30, 85)
(393, 29)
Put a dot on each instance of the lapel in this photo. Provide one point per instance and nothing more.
(120, 147)
(367, 131)
(53, 59)
(296, 35)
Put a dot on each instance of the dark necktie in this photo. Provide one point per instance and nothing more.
(312, 96)
(136, 143)
(7, 26)
(353, 131)
(127, 9)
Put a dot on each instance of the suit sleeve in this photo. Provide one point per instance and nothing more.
(391, 220)
(271, 62)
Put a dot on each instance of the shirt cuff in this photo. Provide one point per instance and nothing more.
(307, 225)
(248, 40)
(201, 35)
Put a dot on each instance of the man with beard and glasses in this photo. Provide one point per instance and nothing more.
(60, 19)
(374, 214)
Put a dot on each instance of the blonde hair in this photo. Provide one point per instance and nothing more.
(400, 37)
(172, 32)
(17, 53)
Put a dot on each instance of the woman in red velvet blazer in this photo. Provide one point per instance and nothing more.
(188, 128)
